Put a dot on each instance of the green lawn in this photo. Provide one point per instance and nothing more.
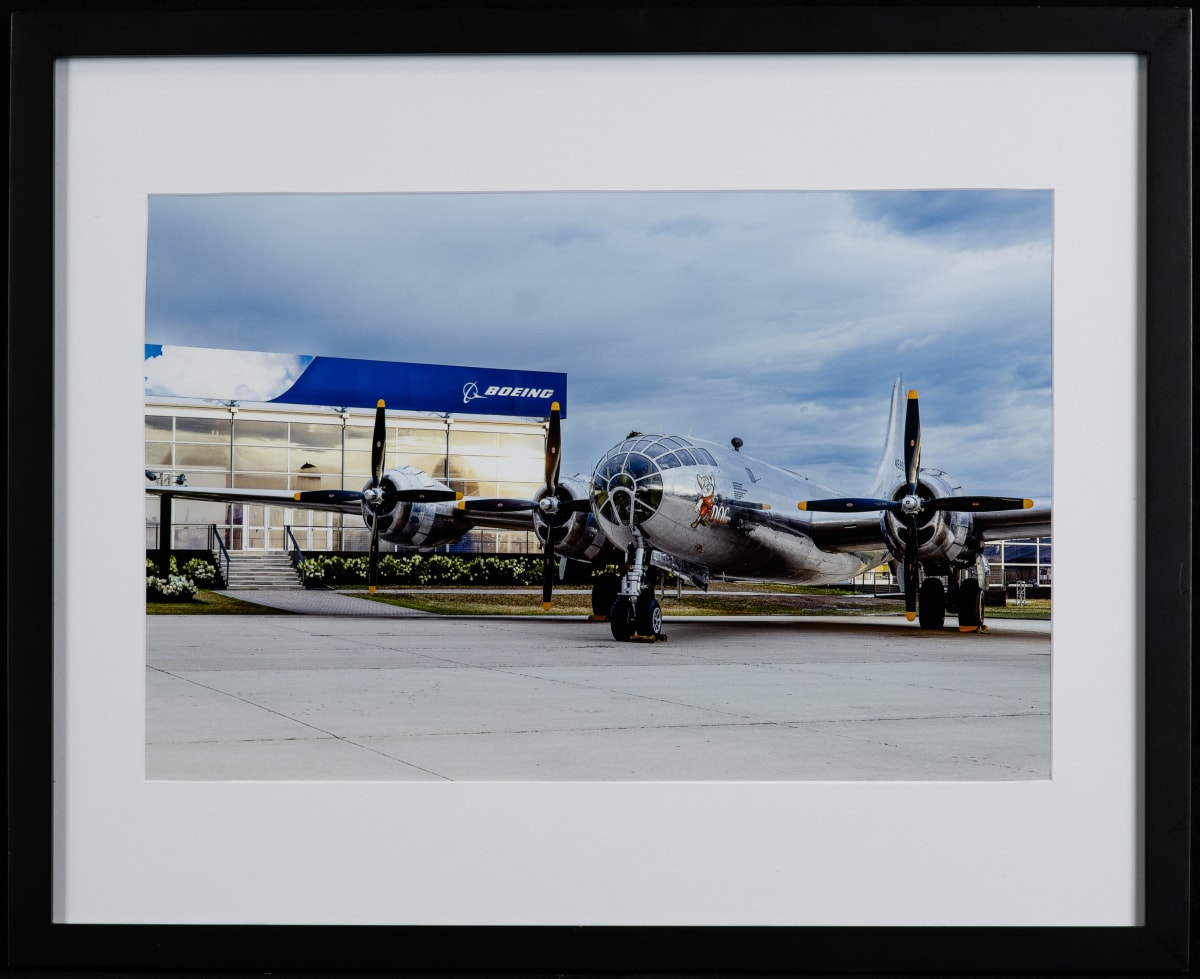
(767, 600)
(210, 603)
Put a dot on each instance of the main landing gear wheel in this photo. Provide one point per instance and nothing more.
(931, 604)
(604, 592)
(970, 606)
(649, 615)
(622, 619)
(641, 619)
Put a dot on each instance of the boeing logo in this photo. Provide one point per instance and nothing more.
(471, 392)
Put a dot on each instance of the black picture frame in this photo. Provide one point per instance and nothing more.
(1162, 35)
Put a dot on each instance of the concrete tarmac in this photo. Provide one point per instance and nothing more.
(340, 696)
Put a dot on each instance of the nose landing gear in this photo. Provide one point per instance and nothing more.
(635, 614)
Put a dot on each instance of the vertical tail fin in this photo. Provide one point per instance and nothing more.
(891, 462)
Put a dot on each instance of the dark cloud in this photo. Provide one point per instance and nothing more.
(717, 313)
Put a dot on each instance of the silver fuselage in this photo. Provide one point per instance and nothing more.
(715, 506)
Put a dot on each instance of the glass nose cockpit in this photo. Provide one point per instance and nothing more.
(627, 486)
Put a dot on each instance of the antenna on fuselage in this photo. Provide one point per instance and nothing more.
(737, 444)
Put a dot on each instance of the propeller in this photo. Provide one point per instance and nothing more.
(554, 511)
(377, 499)
(551, 512)
(911, 506)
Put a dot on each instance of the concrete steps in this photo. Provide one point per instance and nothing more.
(266, 569)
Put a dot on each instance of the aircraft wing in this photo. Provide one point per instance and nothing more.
(465, 518)
(1007, 524)
(282, 498)
(858, 531)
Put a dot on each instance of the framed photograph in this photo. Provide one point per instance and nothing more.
(1069, 127)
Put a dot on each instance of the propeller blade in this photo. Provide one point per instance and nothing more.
(847, 505)
(965, 504)
(378, 444)
(912, 443)
(553, 448)
(548, 571)
(910, 568)
(373, 559)
(328, 496)
(498, 505)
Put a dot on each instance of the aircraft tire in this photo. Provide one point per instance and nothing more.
(970, 604)
(931, 604)
(604, 592)
(622, 618)
(649, 615)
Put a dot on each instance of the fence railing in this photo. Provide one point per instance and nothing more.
(293, 547)
(217, 546)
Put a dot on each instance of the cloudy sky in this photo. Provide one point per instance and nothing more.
(779, 317)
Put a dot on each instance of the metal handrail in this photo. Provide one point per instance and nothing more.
(294, 551)
(213, 536)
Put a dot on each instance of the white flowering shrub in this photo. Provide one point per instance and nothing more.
(173, 588)
(311, 572)
(200, 571)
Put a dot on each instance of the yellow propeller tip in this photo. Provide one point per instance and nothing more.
(910, 616)
(371, 589)
(1027, 504)
(554, 406)
(462, 505)
(912, 395)
(379, 403)
(295, 496)
(545, 606)
(802, 506)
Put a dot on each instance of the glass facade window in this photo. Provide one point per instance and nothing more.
(316, 460)
(467, 443)
(320, 452)
(250, 432)
(260, 481)
(160, 428)
(201, 457)
(358, 437)
(202, 430)
(248, 458)
(358, 465)
(307, 481)
(424, 440)
(1014, 562)
(318, 435)
(516, 446)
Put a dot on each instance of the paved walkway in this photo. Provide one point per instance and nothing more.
(316, 601)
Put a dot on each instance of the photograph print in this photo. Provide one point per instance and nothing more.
(613, 486)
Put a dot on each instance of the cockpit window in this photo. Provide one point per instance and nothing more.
(627, 485)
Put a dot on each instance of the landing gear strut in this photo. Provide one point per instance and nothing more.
(635, 612)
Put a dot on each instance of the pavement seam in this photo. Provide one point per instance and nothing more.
(296, 720)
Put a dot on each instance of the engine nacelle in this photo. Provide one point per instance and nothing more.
(577, 537)
(415, 525)
(941, 535)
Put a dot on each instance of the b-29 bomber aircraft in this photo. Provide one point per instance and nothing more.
(697, 509)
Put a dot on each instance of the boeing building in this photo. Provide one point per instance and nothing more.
(257, 420)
